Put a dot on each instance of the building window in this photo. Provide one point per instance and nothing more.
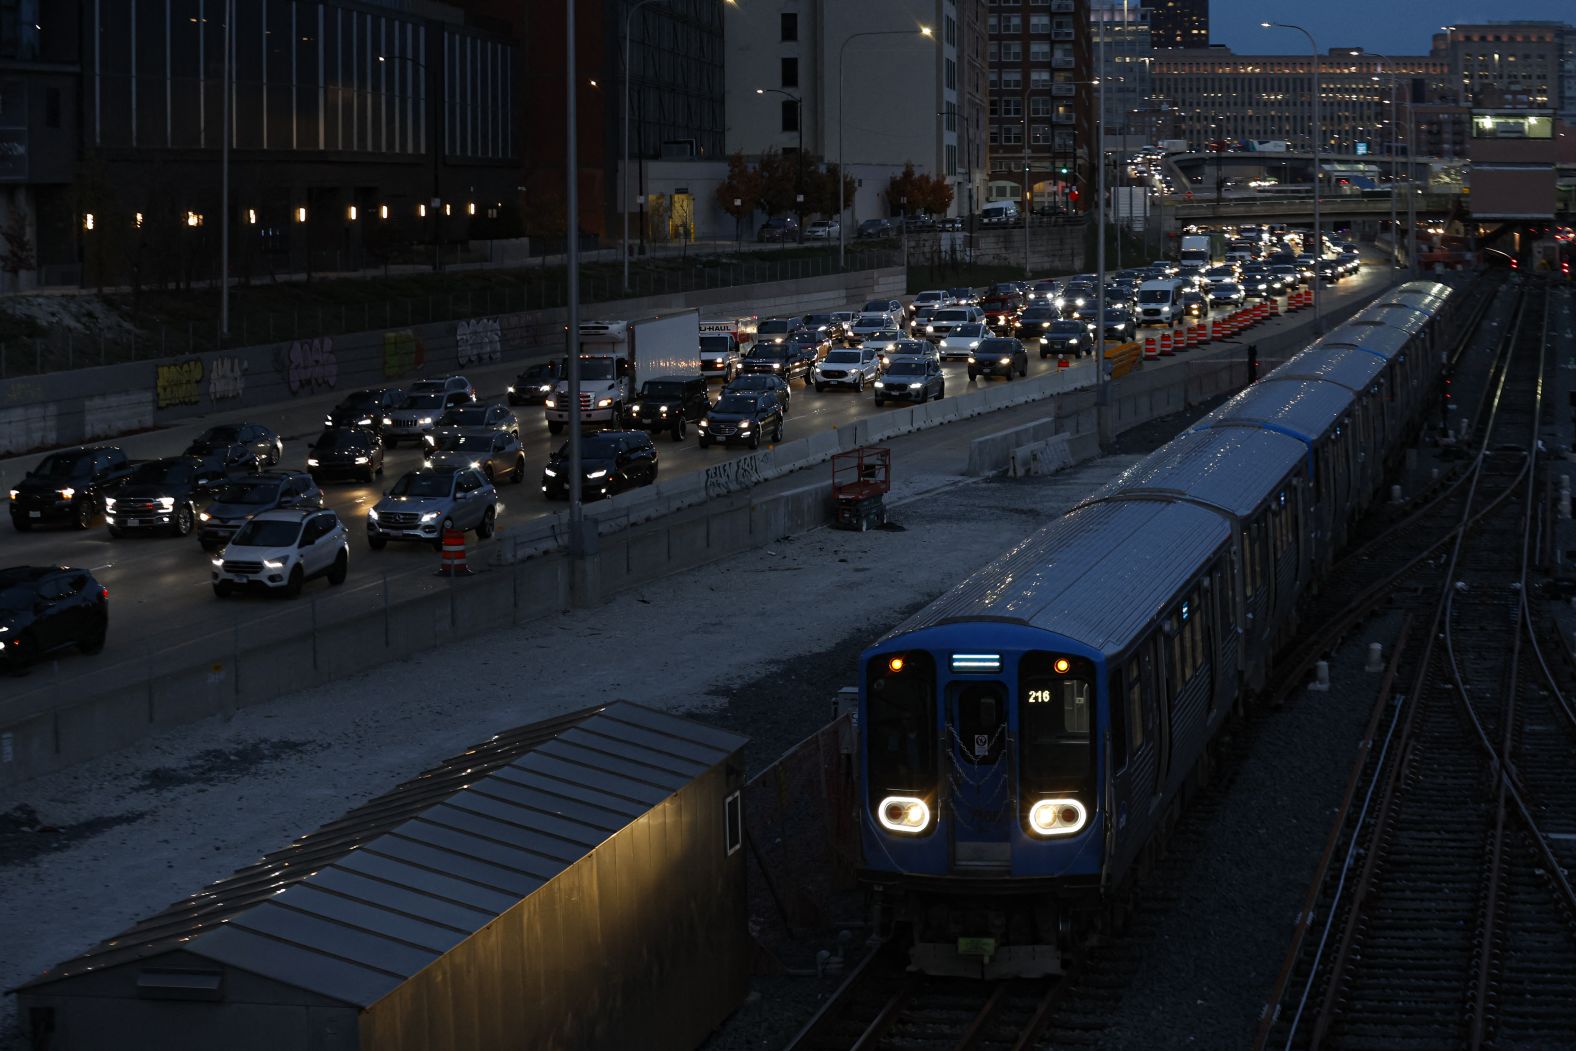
(1012, 24)
(952, 31)
(1011, 107)
(790, 72)
(1012, 134)
(1040, 135)
(952, 159)
(790, 111)
(1012, 51)
(1039, 79)
(1039, 107)
(952, 116)
(1040, 51)
(952, 74)
(1040, 24)
(790, 27)
(1012, 79)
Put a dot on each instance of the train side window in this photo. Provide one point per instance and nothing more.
(1173, 659)
(1135, 704)
(1116, 697)
(901, 708)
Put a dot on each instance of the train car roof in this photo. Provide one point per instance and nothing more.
(1234, 469)
(1304, 409)
(1352, 365)
(1391, 315)
(1096, 575)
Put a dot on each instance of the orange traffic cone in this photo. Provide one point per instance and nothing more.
(1061, 360)
(452, 555)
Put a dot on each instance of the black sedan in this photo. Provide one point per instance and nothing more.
(739, 417)
(239, 499)
(1195, 304)
(1120, 324)
(1037, 320)
(364, 408)
(532, 386)
(762, 383)
(911, 379)
(1066, 337)
(346, 453)
(45, 609)
(999, 356)
(260, 441)
(610, 462)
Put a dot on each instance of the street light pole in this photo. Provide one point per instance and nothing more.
(1028, 187)
(842, 238)
(798, 110)
(577, 547)
(1318, 234)
(623, 171)
(224, 180)
(1099, 310)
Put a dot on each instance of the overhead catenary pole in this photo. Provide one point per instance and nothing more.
(572, 271)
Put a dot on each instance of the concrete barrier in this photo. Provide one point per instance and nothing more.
(992, 452)
(1042, 457)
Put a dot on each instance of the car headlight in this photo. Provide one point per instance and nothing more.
(776, 366)
(372, 513)
(311, 461)
(880, 384)
(663, 409)
(744, 425)
(930, 328)
(551, 403)
(549, 472)
(167, 502)
(1006, 361)
(218, 563)
(908, 814)
(67, 493)
(545, 389)
(359, 460)
(204, 516)
(17, 492)
(600, 472)
(430, 516)
(703, 422)
(604, 403)
(425, 421)
(328, 421)
(971, 359)
(1057, 817)
(915, 386)
(109, 501)
(635, 407)
(388, 421)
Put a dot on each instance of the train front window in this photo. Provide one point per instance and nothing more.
(1056, 723)
(900, 699)
(981, 721)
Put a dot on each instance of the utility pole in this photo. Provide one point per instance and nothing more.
(224, 178)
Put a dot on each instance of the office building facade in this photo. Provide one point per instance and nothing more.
(1178, 23)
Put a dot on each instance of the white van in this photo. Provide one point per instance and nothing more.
(1000, 212)
(1159, 302)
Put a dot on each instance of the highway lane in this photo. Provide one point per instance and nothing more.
(159, 587)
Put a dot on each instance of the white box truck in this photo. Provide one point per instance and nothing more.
(617, 356)
(1200, 249)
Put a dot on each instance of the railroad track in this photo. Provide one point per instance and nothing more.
(1440, 916)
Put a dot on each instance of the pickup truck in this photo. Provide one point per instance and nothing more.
(163, 494)
(68, 486)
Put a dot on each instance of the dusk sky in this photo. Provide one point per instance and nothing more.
(1396, 27)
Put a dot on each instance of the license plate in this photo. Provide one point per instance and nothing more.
(35, 514)
(134, 521)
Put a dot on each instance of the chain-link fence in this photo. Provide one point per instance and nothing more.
(494, 292)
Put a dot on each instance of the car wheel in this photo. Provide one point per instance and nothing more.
(880, 402)
(1023, 370)
(519, 470)
(339, 570)
(777, 435)
(367, 478)
(820, 388)
(182, 525)
(972, 375)
(380, 468)
(859, 384)
(941, 392)
(755, 439)
(555, 427)
(377, 543)
(296, 582)
(484, 528)
(487, 469)
(221, 589)
(924, 395)
(94, 643)
(679, 430)
(21, 524)
(84, 515)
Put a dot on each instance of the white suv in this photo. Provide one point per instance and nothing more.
(281, 550)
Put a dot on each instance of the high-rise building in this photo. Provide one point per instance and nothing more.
(1119, 31)
(1512, 64)
(1178, 23)
(1042, 102)
(873, 93)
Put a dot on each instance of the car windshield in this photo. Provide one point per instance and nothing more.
(876, 305)
(929, 297)
(998, 346)
(422, 486)
(910, 346)
(219, 436)
(331, 441)
(819, 319)
(63, 465)
(267, 534)
(906, 368)
(871, 320)
(972, 329)
(769, 352)
(774, 327)
(885, 335)
(715, 344)
(597, 368)
(1039, 314)
(450, 443)
(156, 472)
(1068, 328)
(753, 383)
(844, 357)
(594, 447)
(661, 389)
(541, 371)
(952, 315)
(1154, 295)
(465, 417)
(1227, 288)
(248, 493)
(743, 404)
(361, 399)
(428, 387)
(422, 401)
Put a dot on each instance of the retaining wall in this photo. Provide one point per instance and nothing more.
(63, 408)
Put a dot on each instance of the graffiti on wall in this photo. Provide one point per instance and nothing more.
(403, 354)
(478, 341)
(310, 365)
(179, 383)
(226, 378)
(733, 475)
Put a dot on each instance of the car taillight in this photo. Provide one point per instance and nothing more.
(104, 592)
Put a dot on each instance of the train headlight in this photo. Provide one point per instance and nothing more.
(1057, 817)
(904, 814)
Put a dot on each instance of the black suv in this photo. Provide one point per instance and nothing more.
(67, 486)
(610, 462)
(533, 386)
(47, 608)
(669, 403)
(364, 408)
(266, 446)
(787, 360)
(740, 417)
(163, 494)
(239, 499)
(345, 452)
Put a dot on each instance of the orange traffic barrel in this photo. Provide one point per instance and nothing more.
(452, 555)
(1151, 348)
(1165, 344)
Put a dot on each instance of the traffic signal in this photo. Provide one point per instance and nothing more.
(1062, 169)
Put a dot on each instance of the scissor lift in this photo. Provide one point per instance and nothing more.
(861, 478)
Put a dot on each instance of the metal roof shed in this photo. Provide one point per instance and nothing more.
(575, 883)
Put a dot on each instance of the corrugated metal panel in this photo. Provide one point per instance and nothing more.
(1303, 408)
(1095, 575)
(352, 910)
(1405, 319)
(1338, 362)
(1232, 468)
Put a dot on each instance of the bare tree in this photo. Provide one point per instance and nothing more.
(19, 256)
